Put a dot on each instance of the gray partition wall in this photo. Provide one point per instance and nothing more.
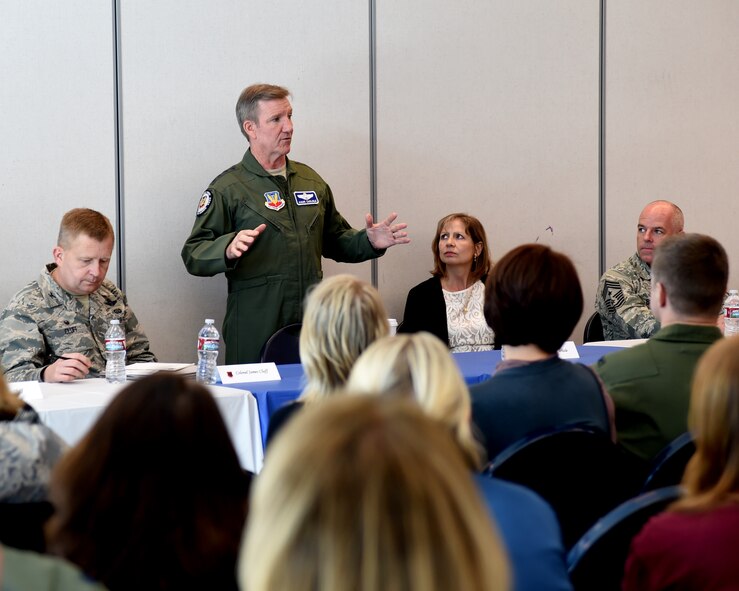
(672, 125)
(490, 108)
(487, 107)
(57, 126)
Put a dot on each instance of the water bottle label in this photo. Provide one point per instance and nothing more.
(115, 344)
(207, 344)
(731, 312)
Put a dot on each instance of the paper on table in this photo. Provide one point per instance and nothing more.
(568, 351)
(623, 343)
(139, 370)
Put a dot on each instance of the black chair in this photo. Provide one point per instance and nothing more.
(593, 329)
(597, 561)
(22, 524)
(580, 472)
(283, 346)
(668, 465)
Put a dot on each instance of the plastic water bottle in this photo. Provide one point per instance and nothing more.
(115, 353)
(208, 342)
(731, 313)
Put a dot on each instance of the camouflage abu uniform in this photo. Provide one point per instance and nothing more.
(622, 301)
(43, 322)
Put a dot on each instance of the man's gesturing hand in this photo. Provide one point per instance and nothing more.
(242, 241)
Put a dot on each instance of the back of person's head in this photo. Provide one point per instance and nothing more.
(247, 105)
(420, 366)
(84, 221)
(366, 493)
(712, 475)
(343, 315)
(154, 495)
(533, 297)
(482, 264)
(10, 403)
(694, 269)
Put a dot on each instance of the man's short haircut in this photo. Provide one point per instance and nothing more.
(694, 269)
(678, 218)
(533, 297)
(84, 221)
(247, 107)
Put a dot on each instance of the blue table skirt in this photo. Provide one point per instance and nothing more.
(475, 367)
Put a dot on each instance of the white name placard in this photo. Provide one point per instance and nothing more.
(248, 372)
(568, 351)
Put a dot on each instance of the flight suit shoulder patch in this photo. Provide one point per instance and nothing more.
(204, 203)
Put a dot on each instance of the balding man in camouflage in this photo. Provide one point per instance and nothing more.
(622, 299)
(54, 328)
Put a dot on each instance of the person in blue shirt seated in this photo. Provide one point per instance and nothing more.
(533, 302)
(343, 315)
(419, 367)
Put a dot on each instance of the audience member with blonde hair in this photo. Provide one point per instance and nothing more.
(28, 450)
(154, 496)
(343, 315)
(420, 367)
(693, 546)
(368, 494)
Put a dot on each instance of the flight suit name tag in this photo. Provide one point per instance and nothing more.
(306, 198)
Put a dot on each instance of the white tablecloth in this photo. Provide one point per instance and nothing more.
(71, 408)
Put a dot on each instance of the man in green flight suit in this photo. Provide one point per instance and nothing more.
(266, 222)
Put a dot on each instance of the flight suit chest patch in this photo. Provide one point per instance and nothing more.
(273, 201)
(306, 198)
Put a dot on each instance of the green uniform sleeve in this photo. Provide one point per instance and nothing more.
(343, 243)
(204, 252)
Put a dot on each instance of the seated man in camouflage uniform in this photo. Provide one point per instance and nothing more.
(622, 299)
(54, 328)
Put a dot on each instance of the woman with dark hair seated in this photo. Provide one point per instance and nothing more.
(693, 545)
(533, 302)
(153, 497)
(450, 304)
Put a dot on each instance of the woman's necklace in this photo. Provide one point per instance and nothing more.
(467, 298)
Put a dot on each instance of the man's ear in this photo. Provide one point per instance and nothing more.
(58, 252)
(661, 294)
(249, 128)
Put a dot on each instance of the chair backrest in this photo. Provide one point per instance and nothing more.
(22, 524)
(283, 346)
(597, 560)
(593, 329)
(580, 472)
(668, 465)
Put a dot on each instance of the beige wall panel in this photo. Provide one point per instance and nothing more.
(489, 108)
(184, 65)
(672, 128)
(56, 99)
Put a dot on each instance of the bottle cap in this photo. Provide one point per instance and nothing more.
(115, 321)
(209, 321)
